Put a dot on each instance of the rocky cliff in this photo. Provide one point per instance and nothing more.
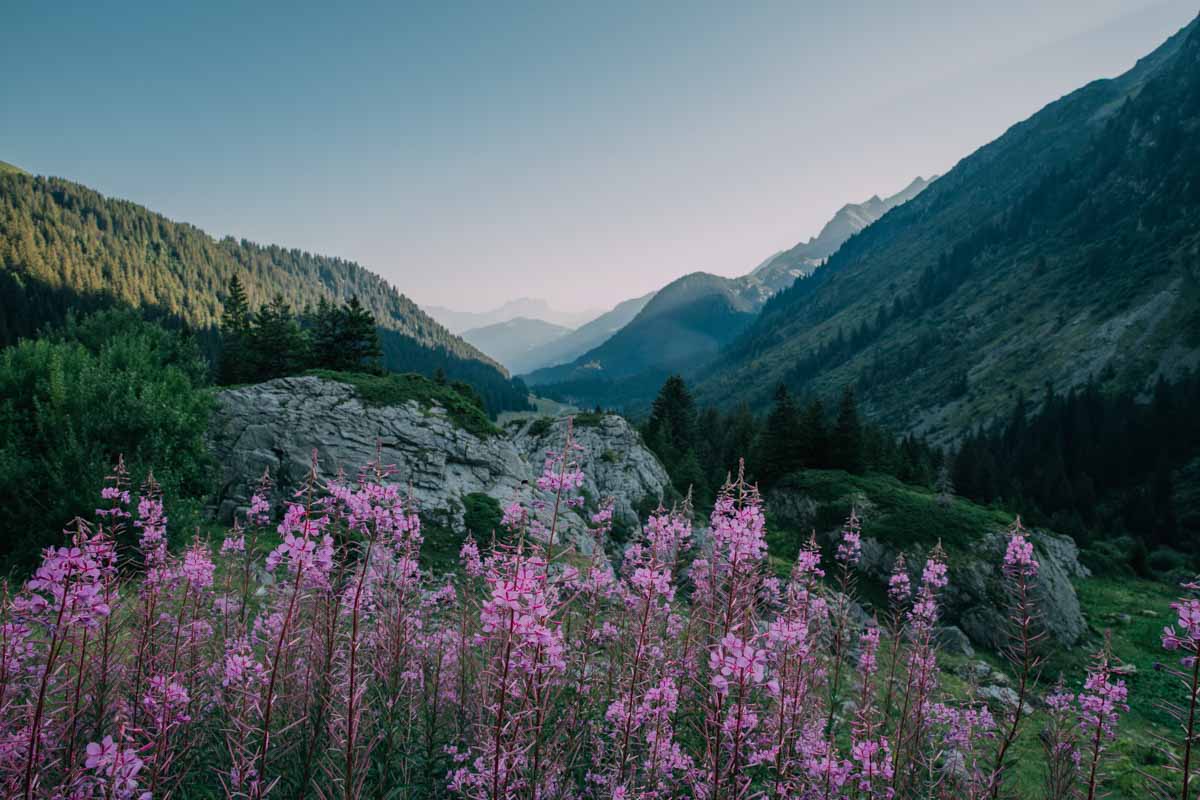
(276, 426)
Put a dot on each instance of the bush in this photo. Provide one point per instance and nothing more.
(108, 386)
(481, 515)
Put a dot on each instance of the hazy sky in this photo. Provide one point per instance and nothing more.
(584, 152)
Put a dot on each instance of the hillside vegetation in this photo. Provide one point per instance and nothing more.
(65, 247)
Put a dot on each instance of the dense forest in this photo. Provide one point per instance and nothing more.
(65, 249)
(1091, 463)
(1117, 470)
(72, 402)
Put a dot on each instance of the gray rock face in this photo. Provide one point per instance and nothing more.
(614, 461)
(976, 590)
(975, 601)
(276, 426)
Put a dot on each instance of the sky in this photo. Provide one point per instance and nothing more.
(582, 152)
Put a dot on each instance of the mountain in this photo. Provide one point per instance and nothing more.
(65, 247)
(527, 307)
(686, 322)
(595, 333)
(512, 342)
(692, 318)
(852, 218)
(1066, 249)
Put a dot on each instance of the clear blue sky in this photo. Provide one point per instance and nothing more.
(584, 152)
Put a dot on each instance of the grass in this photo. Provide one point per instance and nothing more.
(588, 419)
(895, 512)
(1136, 640)
(398, 389)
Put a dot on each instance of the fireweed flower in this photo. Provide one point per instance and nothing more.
(1018, 555)
(305, 550)
(529, 678)
(849, 549)
(899, 587)
(66, 590)
(116, 769)
(198, 567)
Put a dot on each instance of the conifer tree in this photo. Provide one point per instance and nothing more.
(235, 332)
(847, 440)
(672, 425)
(324, 334)
(277, 345)
(813, 436)
(780, 447)
(357, 342)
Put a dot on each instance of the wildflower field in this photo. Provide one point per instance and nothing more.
(308, 654)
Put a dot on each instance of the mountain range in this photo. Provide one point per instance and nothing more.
(513, 341)
(522, 307)
(691, 319)
(1065, 251)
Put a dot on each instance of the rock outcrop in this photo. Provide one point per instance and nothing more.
(975, 600)
(277, 425)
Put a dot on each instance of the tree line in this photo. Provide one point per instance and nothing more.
(701, 447)
(68, 250)
(1095, 464)
(273, 341)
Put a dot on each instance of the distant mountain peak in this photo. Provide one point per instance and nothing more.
(521, 307)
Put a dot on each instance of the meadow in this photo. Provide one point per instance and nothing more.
(307, 652)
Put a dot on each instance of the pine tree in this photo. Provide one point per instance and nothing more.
(944, 484)
(235, 366)
(671, 430)
(847, 441)
(277, 345)
(813, 437)
(324, 334)
(780, 441)
(358, 340)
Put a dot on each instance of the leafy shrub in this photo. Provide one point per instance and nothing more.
(481, 515)
(541, 426)
(107, 386)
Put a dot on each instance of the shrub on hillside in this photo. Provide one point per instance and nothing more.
(73, 402)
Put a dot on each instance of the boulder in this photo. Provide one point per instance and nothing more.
(977, 597)
(1002, 698)
(975, 601)
(276, 427)
(951, 639)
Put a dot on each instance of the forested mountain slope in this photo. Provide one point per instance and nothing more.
(592, 334)
(1067, 248)
(511, 342)
(686, 321)
(66, 247)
